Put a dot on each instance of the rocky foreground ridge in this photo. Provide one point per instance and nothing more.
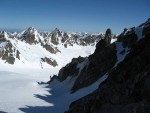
(127, 64)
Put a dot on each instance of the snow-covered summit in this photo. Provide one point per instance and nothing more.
(31, 30)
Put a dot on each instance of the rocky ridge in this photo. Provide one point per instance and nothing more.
(127, 89)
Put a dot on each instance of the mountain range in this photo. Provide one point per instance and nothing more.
(96, 73)
(31, 47)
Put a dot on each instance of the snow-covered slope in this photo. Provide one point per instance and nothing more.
(18, 89)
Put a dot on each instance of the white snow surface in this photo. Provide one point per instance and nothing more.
(113, 40)
(119, 49)
(17, 89)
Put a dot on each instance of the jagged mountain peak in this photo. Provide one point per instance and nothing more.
(30, 30)
(56, 30)
(145, 23)
(56, 33)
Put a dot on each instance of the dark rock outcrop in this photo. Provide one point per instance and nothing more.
(49, 61)
(2, 37)
(108, 36)
(100, 62)
(70, 69)
(50, 48)
(128, 38)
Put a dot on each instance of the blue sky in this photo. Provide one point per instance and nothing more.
(73, 15)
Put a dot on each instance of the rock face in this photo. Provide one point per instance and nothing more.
(100, 62)
(128, 38)
(49, 61)
(2, 37)
(55, 36)
(70, 69)
(50, 48)
(8, 53)
(127, 89)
